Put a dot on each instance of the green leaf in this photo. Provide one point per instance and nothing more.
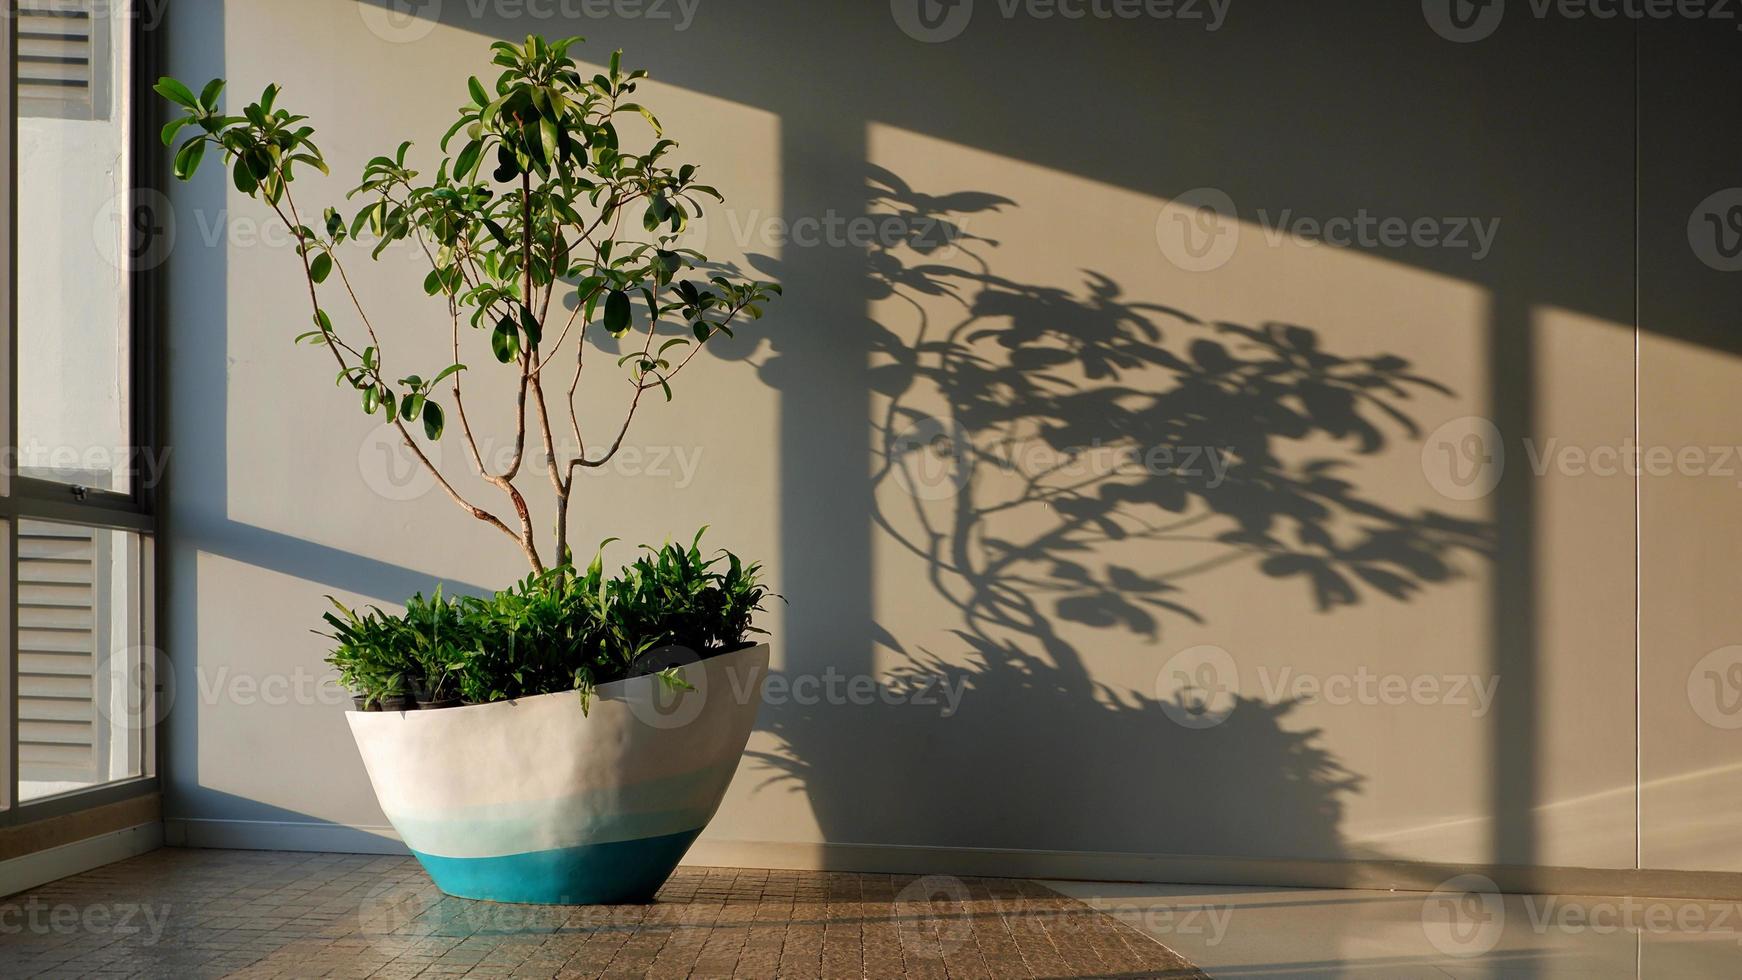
(448, 371)
(432, 420)
(587, 290)
(313, 161)
(432, 283)
(259, 163)
(507, 165)
(548, 133)
(505, 341)
(476, 88)
(188, 159)
(245, 180)
(321, 267)
(658, 130)
(529, 325)
(176, 92)
(209, 96)
(173, 128)
(468, 160)
(459, 124)
(617, 312)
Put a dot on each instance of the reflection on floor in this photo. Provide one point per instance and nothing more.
(1462, 931)
(202, 913)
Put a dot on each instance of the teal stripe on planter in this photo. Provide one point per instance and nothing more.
(619, 873)
(600, 814)
(480, 837)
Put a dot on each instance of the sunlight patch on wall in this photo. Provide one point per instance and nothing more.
(1690, 623)
(1584, 549)
(1093, 458)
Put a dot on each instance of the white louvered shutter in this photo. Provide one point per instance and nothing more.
(58, 618)
(63, 58)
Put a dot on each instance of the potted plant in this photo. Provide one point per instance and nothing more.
(591, 723)
(368, 657)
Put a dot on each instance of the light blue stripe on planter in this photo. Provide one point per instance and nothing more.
(618, 873)
(665, 805)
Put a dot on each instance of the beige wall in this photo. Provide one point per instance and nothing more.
(1344, 544)
(1688, 381)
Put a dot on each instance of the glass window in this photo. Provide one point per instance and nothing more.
(84, 682)
(78, 557)
(74, 356)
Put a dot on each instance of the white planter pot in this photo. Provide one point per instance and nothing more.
(533, 801)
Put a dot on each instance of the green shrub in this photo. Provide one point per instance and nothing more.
(564, 629)
(371, 656)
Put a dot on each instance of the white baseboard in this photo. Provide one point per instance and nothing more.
(281, 835)
(55, 863)
(1015, 863)
(1208, 870)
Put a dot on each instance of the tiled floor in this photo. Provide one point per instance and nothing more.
(192, 913)
(1451, 933)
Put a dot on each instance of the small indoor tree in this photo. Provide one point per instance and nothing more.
(524, 231)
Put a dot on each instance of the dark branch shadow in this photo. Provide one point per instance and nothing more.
(1023, 437)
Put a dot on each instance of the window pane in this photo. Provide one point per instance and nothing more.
(75, 230)
(85, 700)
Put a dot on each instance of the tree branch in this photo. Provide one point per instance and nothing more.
(294, 223)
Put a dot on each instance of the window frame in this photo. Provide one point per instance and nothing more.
(25, 498)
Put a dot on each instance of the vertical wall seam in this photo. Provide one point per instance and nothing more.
(1638, 486)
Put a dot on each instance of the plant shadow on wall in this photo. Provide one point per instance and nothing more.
(1060, 460)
